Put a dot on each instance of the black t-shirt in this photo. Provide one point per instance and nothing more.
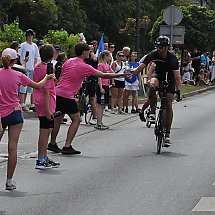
(168, 66)
(92, 79)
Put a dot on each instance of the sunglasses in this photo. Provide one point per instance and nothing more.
(159, 47)
(112, 47)
(121, 55)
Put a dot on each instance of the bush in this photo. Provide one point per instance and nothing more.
(62, 38)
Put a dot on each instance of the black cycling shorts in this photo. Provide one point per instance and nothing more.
(171, 87)
(66, 106)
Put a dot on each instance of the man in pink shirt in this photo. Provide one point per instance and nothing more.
(74, 70)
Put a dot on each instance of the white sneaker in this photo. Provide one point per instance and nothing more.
(112, 111)
(167, 142)
(92, 122)
(152, 118)
(10, 185)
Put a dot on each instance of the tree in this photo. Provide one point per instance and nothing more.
(70, 16)
(199, 24)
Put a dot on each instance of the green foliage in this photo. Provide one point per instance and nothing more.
(11, 32)
(62, 38)
(199, 25)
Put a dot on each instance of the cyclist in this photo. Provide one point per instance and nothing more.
(171, 68)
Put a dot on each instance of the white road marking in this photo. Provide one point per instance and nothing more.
(205, 204)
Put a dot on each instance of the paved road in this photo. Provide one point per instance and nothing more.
(119, 171)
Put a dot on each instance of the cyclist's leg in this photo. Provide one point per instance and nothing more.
(153, 97)
(169, 113)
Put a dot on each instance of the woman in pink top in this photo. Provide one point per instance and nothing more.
(45, 104)
(73, 72)
(103, 90)
(10, 109)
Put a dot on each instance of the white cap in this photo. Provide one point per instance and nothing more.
(11, 52)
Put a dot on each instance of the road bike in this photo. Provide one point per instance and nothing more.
(160, 125)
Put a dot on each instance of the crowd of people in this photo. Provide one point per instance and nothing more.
(57, 81)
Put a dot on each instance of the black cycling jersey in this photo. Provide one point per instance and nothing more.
(171, 64)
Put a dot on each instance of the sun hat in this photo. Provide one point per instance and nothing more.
(11, 52)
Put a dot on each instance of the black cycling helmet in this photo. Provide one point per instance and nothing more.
(162, 41)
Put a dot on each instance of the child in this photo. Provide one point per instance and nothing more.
(10, 108)
(45, 103)
(103, 89)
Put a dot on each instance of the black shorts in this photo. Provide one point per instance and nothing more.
(119, 84)
(106, 94)
(91, 89)
(45, 123)
(66, 106)
(171, 87)
(14, 118)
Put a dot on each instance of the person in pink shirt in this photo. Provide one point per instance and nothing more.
(45, 104)
(74, 70)
(103, 89)
(10, 109)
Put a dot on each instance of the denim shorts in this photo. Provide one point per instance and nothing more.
(14, 118)
(27, 89)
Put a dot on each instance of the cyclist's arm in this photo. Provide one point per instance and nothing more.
(177, 77)
(138, 69)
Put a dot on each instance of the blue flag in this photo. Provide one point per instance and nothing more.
(100, 46)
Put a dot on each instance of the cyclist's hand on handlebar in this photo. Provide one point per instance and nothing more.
(178, 96)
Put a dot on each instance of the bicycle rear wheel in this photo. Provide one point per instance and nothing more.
(88, 115)
(159, 142)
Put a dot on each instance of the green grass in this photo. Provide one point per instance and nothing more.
(190, 88)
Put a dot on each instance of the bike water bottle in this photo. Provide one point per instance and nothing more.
(102, 99)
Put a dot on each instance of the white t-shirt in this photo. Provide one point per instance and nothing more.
(34, 56)
(120, 69)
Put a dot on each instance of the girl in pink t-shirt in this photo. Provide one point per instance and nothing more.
(103, 90)
(10, 109)
(45, 104)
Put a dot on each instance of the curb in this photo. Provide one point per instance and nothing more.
(30, 115)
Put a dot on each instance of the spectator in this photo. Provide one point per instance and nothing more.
(92, 84)
(106, 46)
(95, 46)
(45, 104)
(195, 57)
(111, 50)
(61, 59)
(205, 60)
(132, 86)
(126, 51)
(213, 68)
(118, 84)
(10, 108)
(73, 72)
(30, 50)
(40, 43)
(57, 50)
(102, 92)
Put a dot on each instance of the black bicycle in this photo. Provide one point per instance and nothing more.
(160, 125)
(84, 103)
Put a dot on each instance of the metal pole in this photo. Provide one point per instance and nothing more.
(171, 29)
(137, 33)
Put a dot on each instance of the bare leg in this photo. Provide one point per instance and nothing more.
(93, 105)
(43, 142)
(169, 112)
(125, 99)
(13, 137)
(100, 110)
(113, 97)
(73, 128)
(134, 99)
(120, 95)
(55, 130)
